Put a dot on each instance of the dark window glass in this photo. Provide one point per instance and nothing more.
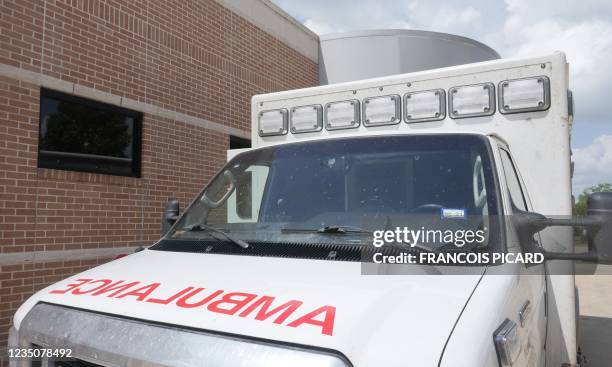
(239, 143)
(370, 182)
(512, 180)
(373, 176)
(82, 135)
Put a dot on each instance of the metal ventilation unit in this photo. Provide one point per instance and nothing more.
(359, 55)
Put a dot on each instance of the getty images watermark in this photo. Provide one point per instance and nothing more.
(430, 241)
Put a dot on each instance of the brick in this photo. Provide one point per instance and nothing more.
(195, 58)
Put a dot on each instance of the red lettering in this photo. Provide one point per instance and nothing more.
(79, 290)
(264, 312)
(182, 302)
(229, 298)
(170, 299)
(117, 287)
(71, 286)
(327, 325)
(263, 307)
(142, 292)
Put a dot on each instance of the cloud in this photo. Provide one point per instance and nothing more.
(593, 164)
(342, 15)
(324, 16)
(320, 27)
(448, 18)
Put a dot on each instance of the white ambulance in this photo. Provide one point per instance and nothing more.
(269, 265)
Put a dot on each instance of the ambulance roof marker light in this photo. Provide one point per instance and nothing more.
(341, 115)
(305, 119)
(524, 95)
(382, 110)
(422, 106)
(273, 122)
(471, 100)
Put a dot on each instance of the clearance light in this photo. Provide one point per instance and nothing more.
(383, 110)
(306, 119)
(472, 100)
(507, 343)
(342, 115)
(425, 106)
(273, 122)
(524, 95)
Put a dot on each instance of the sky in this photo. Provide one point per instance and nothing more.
(514, 28)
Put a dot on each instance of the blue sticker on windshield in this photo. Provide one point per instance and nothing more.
(448, 213)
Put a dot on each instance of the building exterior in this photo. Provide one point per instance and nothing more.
(176, 76)
(356, 55)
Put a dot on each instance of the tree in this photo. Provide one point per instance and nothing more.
(580, 208)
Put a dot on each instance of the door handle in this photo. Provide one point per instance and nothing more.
(524, 313)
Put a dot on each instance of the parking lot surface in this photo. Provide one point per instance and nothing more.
(596, 316)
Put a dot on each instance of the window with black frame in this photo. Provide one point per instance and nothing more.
(78, 134)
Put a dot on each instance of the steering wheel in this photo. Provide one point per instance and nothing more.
(428, 208)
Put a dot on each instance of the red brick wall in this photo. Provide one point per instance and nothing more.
(193, 57)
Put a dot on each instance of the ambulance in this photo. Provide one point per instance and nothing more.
(270, 265)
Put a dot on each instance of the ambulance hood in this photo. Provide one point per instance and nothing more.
(384, 320)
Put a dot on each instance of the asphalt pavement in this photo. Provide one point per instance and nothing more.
(595, 292)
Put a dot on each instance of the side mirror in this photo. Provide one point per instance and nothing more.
(599, 205)
(219, 191)
(598, 224)
(170, 215)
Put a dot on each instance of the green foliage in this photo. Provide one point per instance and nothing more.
(580, 208)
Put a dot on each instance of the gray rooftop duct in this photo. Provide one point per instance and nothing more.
(358, 55)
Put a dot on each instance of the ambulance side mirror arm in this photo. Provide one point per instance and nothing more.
(598, 225)
(170, 215)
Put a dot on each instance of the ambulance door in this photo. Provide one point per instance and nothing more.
(528, 305)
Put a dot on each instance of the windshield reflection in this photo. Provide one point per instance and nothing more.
(291, 193)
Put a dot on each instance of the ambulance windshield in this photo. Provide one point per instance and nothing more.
(350, 186)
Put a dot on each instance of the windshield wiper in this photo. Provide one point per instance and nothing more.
(328, 229)
(351, 229)
(210, 229)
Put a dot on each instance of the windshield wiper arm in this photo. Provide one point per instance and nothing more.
(329, 229)
(343, 229)
(229, 237)
(349, 229)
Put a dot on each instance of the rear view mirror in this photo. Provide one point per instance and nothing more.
(598, 225)
(170, 215)
(599, 205)
(219, 190)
